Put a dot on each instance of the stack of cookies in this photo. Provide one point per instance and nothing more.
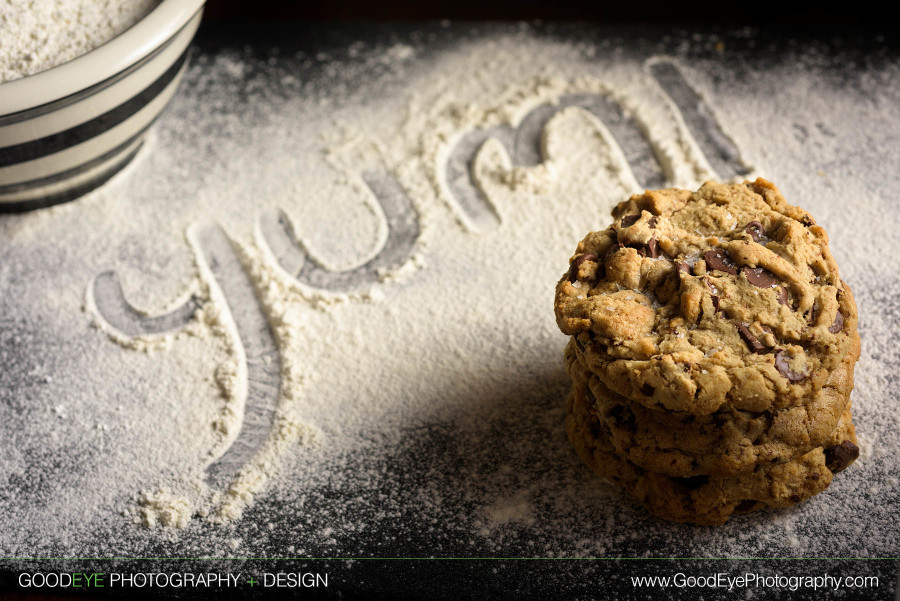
(712, 352)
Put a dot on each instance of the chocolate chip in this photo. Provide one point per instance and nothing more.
(838, 458)
(781, 364)
(807, 221)
(647, 390)
(651, 223)
(752, 342)
(694, 482)
(756, 231)
(576, 264)
(612, 250)
(644, 249)
(653, 248)
(759, 277)
(717, 259)
(714, 296)
(683, 267)
(810, 316)
(622, 416)
(746, 506)
(838, 324)
(782, 296)
(629, 220)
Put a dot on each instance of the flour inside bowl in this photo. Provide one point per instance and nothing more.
(35, 36)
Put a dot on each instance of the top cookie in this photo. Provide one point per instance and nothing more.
(727, 296)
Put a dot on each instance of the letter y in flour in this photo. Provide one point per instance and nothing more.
(258, 359)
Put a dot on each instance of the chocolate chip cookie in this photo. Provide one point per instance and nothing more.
(708, 500)
(726, 298)
(727, 442)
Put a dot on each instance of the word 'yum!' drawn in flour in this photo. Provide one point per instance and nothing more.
(232, 290)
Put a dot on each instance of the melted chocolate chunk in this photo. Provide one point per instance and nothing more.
(629, 220)
(781, 364)
(651, 223)
(612, 250)
(682, 267)
(838, 324)
(573, 270)
(622, 416)
(752, 342)
(782, 296)
(717, 259)
(714, 296)
(746, 506)
(838, 458)
(646, 250)
(810, 316)
(756, 231)
(694, 482)
(759, 277)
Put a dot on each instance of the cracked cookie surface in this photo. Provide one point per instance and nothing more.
(708, 500)
(723, 443)
(725, 298)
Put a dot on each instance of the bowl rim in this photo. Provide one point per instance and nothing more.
(151, 31)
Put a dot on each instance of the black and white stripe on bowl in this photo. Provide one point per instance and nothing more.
(67, 130)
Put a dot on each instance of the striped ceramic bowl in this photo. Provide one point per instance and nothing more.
(66, 130)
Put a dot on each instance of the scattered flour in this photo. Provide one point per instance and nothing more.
(35, 36)
(164, 508)
(422, 413)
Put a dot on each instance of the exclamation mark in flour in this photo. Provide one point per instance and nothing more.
(720, 150)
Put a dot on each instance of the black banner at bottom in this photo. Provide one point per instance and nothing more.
(452, 578)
